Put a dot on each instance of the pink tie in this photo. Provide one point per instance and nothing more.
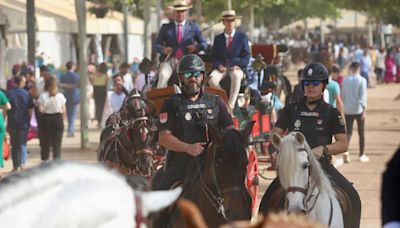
(229, 42)
(179, 53)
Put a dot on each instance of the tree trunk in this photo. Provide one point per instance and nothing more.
(147, 37)
(80, 9)
(126, 40)
(248, 22)
(31, 30)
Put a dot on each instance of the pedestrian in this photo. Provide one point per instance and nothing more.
(319, 122)
(334, 94)
(19, 117)
(4, 106)
(175, 39)
(355, 103)
(124, 71)
(337, 75)
(298, 93)
(99, 81)
(52, 106)
(397, 61)
(365, 66)
(70, 82)
(231, 54)
(380, 65)
(390, 67)
(118, 95)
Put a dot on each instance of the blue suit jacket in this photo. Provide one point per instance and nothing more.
(239, 54)
(167, 38)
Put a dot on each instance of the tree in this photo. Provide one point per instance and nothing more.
(80, 9)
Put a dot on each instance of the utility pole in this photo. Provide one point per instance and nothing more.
(80, 8)
(31, 31)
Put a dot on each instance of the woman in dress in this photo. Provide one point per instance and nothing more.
(4, 106)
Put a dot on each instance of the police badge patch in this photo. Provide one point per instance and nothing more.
(319, 121)
(163, 117)
(188, 116)
(341, 120)
(297, 124)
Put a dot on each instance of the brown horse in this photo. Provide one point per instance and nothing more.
(126, 143)
(216, 184)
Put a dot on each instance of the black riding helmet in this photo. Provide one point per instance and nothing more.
(315, 72)
(191, 63)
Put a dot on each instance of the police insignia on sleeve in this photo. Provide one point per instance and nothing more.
(163, 117)
(188, 116)
(341, 120)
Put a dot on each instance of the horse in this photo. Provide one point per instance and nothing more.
(127, 141)
(72, 194)
(306, 187)
(216, 185)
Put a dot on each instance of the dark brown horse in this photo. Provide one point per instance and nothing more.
(126, 143)
(216, 185)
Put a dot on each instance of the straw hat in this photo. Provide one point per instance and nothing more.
(229, 14)
(181, 5)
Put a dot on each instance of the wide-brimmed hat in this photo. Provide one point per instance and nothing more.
(229, 14)
(181, 5)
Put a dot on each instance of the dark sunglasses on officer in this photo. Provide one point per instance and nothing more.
(311, 82)
(188, 75)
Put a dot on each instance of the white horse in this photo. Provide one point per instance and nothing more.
(307, 188)
(66, 194)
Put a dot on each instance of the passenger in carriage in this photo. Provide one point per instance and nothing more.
(184, 120)
(175, 39)
(231, 54)
(319, 122)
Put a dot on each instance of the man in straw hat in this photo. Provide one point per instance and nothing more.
(231, 55)
(175, 39)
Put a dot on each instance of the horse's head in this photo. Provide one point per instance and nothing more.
(226, 166)
(142, 132)
(298, 170)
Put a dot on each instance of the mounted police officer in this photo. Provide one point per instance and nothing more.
(175, 39)
(318, 121)
(185, 118)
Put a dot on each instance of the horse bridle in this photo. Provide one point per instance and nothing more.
(305, 191)
(216, 199)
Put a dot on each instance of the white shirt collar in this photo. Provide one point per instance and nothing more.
(232, 34)
(182, 23)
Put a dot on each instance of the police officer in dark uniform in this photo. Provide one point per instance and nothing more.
(185, 118)
(318, 121)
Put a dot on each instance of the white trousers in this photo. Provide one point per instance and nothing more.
(236, 77)
(165, 71)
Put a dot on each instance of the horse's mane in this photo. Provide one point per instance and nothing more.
(287, 157)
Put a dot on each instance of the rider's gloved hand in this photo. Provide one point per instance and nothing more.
(195, 149)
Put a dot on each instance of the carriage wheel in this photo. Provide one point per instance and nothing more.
(252, 181)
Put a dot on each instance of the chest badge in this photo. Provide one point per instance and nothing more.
(209, 111)
(297, 124)
(319, 122)
(188, 116)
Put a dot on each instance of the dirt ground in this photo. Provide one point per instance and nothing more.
(382, 138)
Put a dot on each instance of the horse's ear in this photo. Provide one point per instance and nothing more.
(276, 140)
(299, 138)
(246, 131)
(156, 200)
(216, 135)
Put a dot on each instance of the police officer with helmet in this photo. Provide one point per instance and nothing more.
(318, 121)
(184, 120)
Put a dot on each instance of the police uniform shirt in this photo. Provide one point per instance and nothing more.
(186, 119)
(318, 125)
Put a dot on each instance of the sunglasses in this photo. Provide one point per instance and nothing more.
(314, 83)
(187, 75)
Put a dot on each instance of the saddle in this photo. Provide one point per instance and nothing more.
(277, 201)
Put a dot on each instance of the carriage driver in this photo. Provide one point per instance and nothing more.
(318, 121)
(231, 54)
(175, 39)
(184, 120)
